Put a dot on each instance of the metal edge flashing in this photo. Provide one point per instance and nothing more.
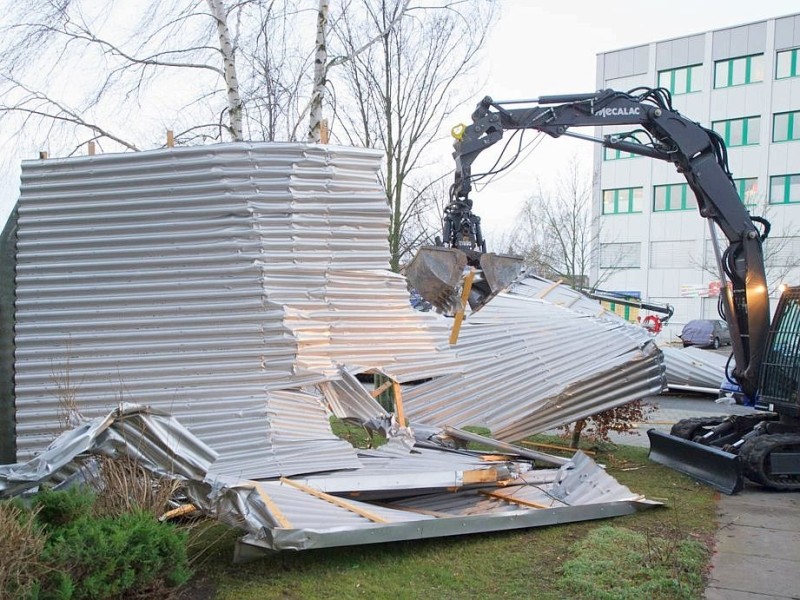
(8, 242)
(307, 539)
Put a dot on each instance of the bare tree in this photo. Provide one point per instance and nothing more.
(557, 235)
(397, 93)
(72, 66)
(781, 256)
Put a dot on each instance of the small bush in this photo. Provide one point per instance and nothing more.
(61, 549)
(22, 544)
(58, 508)
(613, 563)
(131, 555)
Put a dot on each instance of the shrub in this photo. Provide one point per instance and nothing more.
(131, 555)
(58, 508)
(20, 550)
(61, 549)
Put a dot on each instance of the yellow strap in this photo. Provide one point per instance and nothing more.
(458, 131)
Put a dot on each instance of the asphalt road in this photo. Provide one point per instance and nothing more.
(668, 409)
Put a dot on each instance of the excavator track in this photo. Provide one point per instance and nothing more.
(765, 459)
(688, 429)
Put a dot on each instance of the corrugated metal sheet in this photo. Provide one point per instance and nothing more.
(695, 368)
(531, 365)
(201, 281)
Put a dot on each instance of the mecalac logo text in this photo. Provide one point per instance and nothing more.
(612, 111)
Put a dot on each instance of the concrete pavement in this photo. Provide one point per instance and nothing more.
(757, 554)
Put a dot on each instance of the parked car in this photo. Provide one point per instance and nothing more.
(706, 333)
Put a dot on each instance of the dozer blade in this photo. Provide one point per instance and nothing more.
(499, 270)
(717, 468)
(436, 272)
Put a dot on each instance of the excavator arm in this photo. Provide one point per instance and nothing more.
(698, 153)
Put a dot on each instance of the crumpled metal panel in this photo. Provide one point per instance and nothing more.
(154, 439)
(694, 368)
(531, 365)
(578, 491)
(201, 281)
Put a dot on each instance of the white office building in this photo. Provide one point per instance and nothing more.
(744, 82)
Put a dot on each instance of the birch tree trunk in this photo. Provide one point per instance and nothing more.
(229, 69)
(320, 74)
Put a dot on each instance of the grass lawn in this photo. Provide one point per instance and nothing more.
(659, 553)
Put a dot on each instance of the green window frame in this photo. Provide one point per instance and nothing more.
(683, 80)
(787, 63)
(786, 126)
(784, 189)
(741, 70)
(747, 188)
(614, 154)
(739, 132)
(671, 197)
(622, 201)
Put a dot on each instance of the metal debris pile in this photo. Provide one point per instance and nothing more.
(242, 288)
(427, 491)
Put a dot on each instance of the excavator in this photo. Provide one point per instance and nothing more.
(764, 446)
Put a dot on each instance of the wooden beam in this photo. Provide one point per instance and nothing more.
(184, 509)
(272, 507)
(324, 132)
(557, 447)
(336, 501)
(91, 148)
(459, 317)
(170, 138)
(479, 476)
(381, 388)
(422, 511)
(549, 289)
(43, 155)
(520, 501)
(398, 404)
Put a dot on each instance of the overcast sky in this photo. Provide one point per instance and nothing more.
(539, 48)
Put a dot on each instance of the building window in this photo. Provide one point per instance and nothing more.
(684, 80)
(671, 197)
(786, 126)
(784, 189)
(626, 255)
(672, 255)
(622, 200)
(739, 132)
(786, 64)
(613, 154)
(739, 71)
(747, 190)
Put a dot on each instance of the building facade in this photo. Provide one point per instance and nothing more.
(744, 82)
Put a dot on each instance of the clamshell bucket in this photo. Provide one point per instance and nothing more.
(436, 272)
(499, 270)
(713, 466)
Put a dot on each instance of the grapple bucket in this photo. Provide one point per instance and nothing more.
(717, 468)
(499, 270)
(436, 272)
